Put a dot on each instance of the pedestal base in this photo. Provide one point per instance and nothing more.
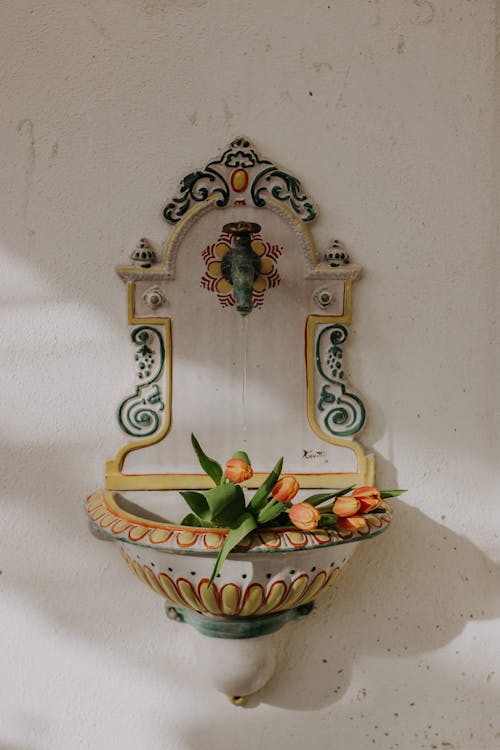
(241, 657)
(236, 628)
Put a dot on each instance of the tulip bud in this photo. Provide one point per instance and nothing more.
(243, 455)
(285, 489)
(238, 470)
(346, 506)
(369, 498)
(353, 523)
(304, 516)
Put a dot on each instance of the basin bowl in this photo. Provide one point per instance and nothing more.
(273, 571)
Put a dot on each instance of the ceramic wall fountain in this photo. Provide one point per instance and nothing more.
(220, 321)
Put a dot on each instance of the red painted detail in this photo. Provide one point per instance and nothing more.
(135, 537)
(301, 542)
(188, 543)
(218, 544)
(191, 588)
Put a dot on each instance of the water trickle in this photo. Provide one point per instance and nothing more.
(244, 355)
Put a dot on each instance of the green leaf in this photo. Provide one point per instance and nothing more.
(322, 497)
(198, 504)
(226, 503)
(327, 520)
(271, 511)
(245, 524)
(209, 465)
(391, 493)
(319, 498)
(339, 493)
(265, 488)
(281, 520)
(243, 455)
(193, 520)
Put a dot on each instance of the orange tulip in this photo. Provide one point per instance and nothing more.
(353, 523)
(304, 516)
(238, 470)
(369, 498)
(285, 489)
(346, 506)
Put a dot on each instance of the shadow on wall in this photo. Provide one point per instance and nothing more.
(439, 582)
(411, 593)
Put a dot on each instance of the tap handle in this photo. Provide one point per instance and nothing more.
(241, 227)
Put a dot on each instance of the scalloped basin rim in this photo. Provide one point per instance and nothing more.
(111, 513)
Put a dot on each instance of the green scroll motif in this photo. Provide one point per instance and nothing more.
(214, 180)
(139, 414)
(283, 187)
(343, 413)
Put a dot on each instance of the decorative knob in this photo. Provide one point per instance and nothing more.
(143, 255)
(324, 296)
(154, 297)
(336, 255)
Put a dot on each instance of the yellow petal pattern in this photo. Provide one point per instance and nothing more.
(253, 600)
(151, 579)
(223, 286)
(260, 284)
(157, 536)
(214, 268)
(169, 589)
(230, 598)
(315, 587)
(207, 596)
(137, 532)
(274, 598)
(266, 265)
(119, 526)
(297, 590)
(258, 247)
(233, 599)
(186, 538)
(221, 249)
(188, 594)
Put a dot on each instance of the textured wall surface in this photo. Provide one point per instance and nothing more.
(386, 111)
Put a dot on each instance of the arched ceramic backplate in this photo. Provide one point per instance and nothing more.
(241, 185)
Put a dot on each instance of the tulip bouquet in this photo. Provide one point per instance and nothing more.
(224, 506)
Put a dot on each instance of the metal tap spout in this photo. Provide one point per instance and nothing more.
(241, 264)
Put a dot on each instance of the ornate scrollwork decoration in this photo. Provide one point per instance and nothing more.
(347, 414)
(283, 187)
(197, 187)
(217, 179)
(139, 414)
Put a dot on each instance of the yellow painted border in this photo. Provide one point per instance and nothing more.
(115, 479)
(180, 227)
(115, 466)
(303, 227)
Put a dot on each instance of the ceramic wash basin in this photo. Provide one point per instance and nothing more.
(273, 571)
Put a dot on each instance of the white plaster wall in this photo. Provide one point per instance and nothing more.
(386, 111)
